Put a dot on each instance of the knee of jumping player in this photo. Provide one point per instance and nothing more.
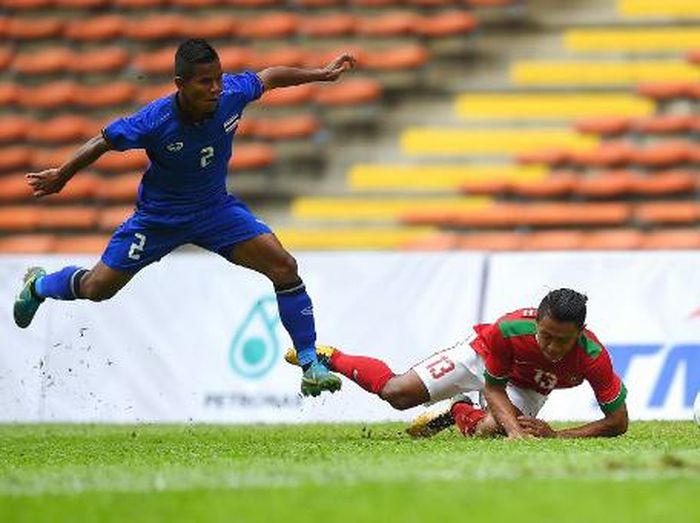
(284, 271)
(399, 396)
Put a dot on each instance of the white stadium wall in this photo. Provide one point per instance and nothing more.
(193, 339)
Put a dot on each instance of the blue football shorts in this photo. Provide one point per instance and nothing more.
(145, 238)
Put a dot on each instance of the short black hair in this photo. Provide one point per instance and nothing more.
(564, 305)
(191, 52)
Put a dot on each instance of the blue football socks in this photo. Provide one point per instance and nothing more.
(60, 285)
(297, 315)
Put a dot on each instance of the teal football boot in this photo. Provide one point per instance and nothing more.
(27, 302)
(318, 378)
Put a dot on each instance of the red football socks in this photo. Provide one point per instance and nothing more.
(369, 373)
(467, 417)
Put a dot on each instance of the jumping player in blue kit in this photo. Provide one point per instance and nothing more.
(182, 198)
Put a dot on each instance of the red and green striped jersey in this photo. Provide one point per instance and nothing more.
(511, 354)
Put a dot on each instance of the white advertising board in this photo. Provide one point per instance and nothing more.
(195, 338)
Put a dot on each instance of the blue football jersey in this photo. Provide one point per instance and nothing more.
(188, 162)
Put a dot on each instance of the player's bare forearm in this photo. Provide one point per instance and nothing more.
(88, 153)
(52, 180)
(281, 76)
(503, 410)
(613, 424)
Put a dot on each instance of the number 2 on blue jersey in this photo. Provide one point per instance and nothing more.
(207, 153)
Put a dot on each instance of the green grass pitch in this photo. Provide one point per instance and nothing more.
(345, 473)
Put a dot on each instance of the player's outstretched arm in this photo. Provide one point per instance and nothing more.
(613, 424)
(52, 180)
(503, 410)
(280, 76)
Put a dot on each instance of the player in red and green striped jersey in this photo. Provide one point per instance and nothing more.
(512, 364)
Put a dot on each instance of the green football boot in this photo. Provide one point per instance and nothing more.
(318, 378)
(27, 302)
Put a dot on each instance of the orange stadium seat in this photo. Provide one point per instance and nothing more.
(19, 218)
(567, 214)
(81, 244)
(322, 57)
(52, 157)
(155, 27)
(14, 187)
(72, 217)
(252, 156)
(148, 93)
(121, 162)
(195, 4)
(664, 90)
(396, 58)
(246, 127)
(611, 153)
(327, 26)
(439, 241)
(259, 4)
(53, 95)
(268, 26)
(232, 58)
(13, 128)
(94, 29)
(492, 187)
(82, 186)
(158, 62)
(490, 3)
(680, 238)
(289, 56)
(664, 124)
(14, 158)
(552, 156)
(34, 28)
(288, 96)
(286, 128)
(10, 93)
(102, 60)
(490, 241)
(61, 129)
(610, 184)
(47, 61)
(445, 24)
(316, 4)
(552, 240)
(26, 4)
(112, 217)
(211, 27)
(612, 239)
(27, 243)
(6, 56)
(556, 185)
(137, 4)
(694, 57)
(119, 188)
(398, 23)
(105, 95)
(430, 3)
(374, 3)
(609, 125)
(668, 212)
(349, 92)
(80, 4)
(666, 183)
(662, 154)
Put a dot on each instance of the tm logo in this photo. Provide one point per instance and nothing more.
(255, 347)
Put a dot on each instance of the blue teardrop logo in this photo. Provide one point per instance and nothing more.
(255, 347)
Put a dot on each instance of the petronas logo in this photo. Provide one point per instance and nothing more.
(255, 348)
